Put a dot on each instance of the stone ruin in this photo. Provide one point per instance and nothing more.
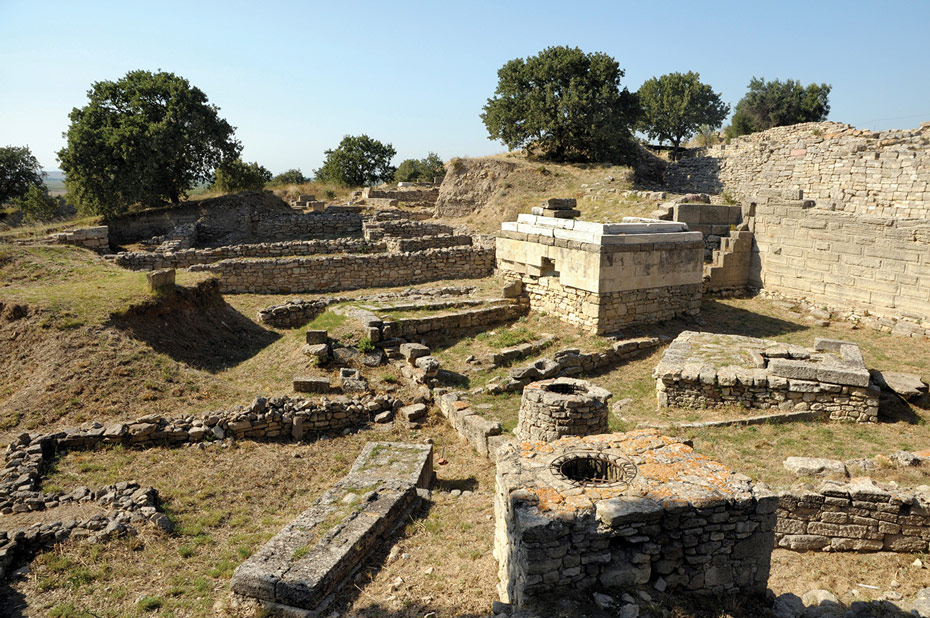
(615, 512)
(551, 409)
(706, 370)
(604, 276)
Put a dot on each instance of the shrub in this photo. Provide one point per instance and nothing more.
(236, 175)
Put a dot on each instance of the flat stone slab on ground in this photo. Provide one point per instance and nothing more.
(313, 556)
(815, 466)
(909, 386)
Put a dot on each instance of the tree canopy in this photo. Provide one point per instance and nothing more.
(37, 204)
(564, 105)
(358, 161)
(19, 170)
(144, 138)
(290, 177)
(236, 175)
(777, 104)
(676, 105)
(422, 170)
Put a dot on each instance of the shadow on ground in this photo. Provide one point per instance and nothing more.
(195, 326)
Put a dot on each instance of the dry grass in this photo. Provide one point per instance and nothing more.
(226, 502)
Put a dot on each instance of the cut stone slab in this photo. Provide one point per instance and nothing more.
(413, 351)
(413, 412)
(909, 386)
(311, 384)
(317, 336)
(313, 556)
(319, 351)
(814, 466)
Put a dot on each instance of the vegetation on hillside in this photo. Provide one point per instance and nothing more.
(420, 170)
(358, 161)
(237, 175)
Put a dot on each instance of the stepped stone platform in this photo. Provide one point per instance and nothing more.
(625, 511)
(300, 569)
(702, 370)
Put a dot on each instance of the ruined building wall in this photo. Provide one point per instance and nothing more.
(840, 167)
(349, 272)
(844, 260)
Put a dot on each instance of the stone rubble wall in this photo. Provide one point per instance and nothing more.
(122, 505)
(882, 174)
(856, 516)
(376, 229)
(611, 312)
(871, 265)
(402, 195)
(408, 245)
(93, 238)
(572, 362)
(346, 272)
(484, 435)
(309, 225)
(452, 324)
(294, 313)
(185, 258)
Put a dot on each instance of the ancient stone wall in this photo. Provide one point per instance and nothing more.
(405, 245)
(347, 272)
(309, 225)
(379, 229)
(879, 265)
(854, 516)
(452, 324)
(149, 260)
(402, 195)
(614, 311)
(841, 168)
(93, 238)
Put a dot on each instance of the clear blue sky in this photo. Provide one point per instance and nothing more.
(294, 77)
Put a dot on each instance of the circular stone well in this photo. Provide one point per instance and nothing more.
(560, 407)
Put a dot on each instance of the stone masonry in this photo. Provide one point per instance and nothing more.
(551, 409)
(623, 511)
(701, 370)
(854, 516)
(604, 277)
(840, 167)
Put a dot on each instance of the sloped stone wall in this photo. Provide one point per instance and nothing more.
(840, 167)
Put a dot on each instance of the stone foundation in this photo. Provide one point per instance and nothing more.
(622, 511)
(854, 516)
(93, 238)
(705, 370)
(348, 272)
(552, 409)
(608, 313)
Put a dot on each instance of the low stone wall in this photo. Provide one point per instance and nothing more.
(398, 228)
(614, 311)
(483, 434)
(573, 362)
(347, 272)
(307, 225)
(406, 245)
(294, 313)
(452, 324)
(312, 557)
(118, 508)
(151, 260)
(93, 238)
(404, 195)
(855, 516)
(706, 370)
(626, 511)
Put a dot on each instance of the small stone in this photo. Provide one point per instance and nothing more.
(604, 601)
(819, 597)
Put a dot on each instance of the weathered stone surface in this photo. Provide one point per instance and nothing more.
(317, 337)
(311, 384)
(815, 466)
(560, 407)
(413, 351)
(908, 386)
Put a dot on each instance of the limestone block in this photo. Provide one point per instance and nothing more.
(161, 280)
(317, 336)
(814, 466)
(413, 351)
(311, 384)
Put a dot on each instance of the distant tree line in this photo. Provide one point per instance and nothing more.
(152, 137)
